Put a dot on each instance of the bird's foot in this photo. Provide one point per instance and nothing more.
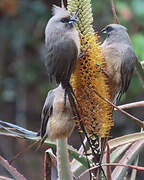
(75, 15)
(102, 70)
(83, 52)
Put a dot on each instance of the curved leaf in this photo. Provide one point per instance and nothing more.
(113, 143)
(15, 174)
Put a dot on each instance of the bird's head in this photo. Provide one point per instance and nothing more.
(113, 29)
(61, 18)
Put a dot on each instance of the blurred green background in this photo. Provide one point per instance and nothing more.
(23, 79)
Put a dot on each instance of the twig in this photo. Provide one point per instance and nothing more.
(131, 105)
(108, 168)
(114, 12)
(14, 173)
(22, 152)
(62, 4)
(139, 168)
(141, 123)
(5, 178)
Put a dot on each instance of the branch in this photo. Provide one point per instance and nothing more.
(139, 122)
(131, 105)
(14, 173)
(139, 168)
(22, 152)
(62, 4)
(114, 12)
(108, 168)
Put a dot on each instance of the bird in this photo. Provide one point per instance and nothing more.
(120, 59)
(57, 120)
(62, 44)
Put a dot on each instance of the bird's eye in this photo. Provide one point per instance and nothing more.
(65, 20)
(109, 29)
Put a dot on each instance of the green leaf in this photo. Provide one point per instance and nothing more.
(125, 139)
(78, 170)
(50, 165)
(63, 164)
(15, 174)
(134, 171)
(77, 167)
(18, 128)
(129, 156)
(116, 154)
(30, 135)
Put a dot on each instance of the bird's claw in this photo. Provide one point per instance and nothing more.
(75, 15)
(83, 52)
(102, 70)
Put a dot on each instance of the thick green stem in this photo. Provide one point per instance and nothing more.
(63, 164)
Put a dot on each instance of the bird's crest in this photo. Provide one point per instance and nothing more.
(58, 11)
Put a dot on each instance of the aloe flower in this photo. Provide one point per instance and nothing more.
(96, 114)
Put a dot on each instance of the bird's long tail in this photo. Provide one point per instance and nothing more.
(71, 95)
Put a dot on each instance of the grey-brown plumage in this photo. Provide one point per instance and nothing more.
(62, 45)
(120, 58)
(57, 118)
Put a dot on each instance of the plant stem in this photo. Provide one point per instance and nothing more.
(139, 122)
(63, 165)
(114, 12)
(131, 105)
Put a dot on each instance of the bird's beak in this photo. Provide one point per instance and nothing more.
(103, 31)
(74, 17)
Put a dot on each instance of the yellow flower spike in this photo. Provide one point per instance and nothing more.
(88, 77)
(85, 15)
(96, 114)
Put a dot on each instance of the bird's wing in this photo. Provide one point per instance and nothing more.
(61, 59)
(127, 68)
(46, 112)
